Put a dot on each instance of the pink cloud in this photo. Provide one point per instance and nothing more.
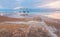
(48, 4)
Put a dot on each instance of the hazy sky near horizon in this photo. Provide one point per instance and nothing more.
(30, 4)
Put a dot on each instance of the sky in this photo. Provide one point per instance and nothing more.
(30, 4)
(43, 5)
(38, 5)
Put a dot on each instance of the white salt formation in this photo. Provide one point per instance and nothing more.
(36, 23)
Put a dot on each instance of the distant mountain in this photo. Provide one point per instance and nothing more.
(3, 18)
(17, 17)
(7, 18)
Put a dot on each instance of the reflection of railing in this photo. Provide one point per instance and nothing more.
(24, 10)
